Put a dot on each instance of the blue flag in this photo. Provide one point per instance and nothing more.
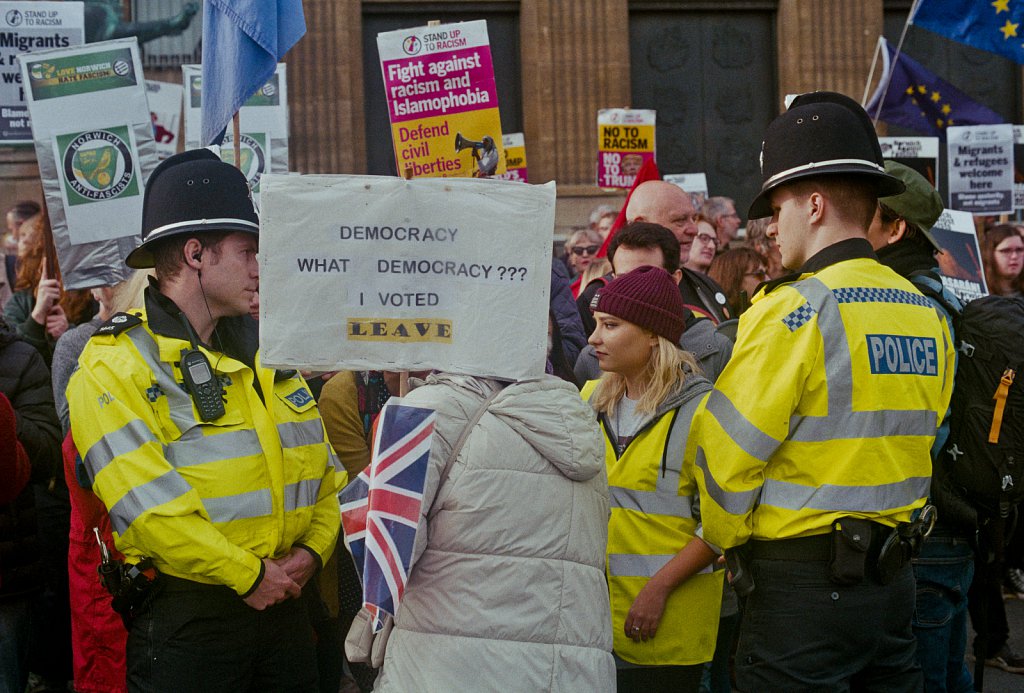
(990, 26)
(242, 42)
(919, 100)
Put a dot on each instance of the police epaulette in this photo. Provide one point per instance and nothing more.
(118, 324)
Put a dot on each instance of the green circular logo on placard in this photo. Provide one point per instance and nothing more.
(98, 165)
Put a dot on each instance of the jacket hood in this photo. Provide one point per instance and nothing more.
(695, 386)
(549, 414)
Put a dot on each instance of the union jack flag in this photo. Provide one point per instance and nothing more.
(380, 508)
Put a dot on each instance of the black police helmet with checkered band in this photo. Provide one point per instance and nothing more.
(822, 133)
(189, 193)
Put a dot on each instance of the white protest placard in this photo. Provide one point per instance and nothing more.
(93, 137)
(165, 108)
(918, 153)
(262, 123)
(380, 273)
(24, 27)
(980, 159)
(696, 184)
(960, 260)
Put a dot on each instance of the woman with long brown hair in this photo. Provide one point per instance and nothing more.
(39, 310)
(1002, 252)
(739, 271)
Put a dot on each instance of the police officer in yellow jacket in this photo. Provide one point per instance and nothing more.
(214, 469)
(812, 451)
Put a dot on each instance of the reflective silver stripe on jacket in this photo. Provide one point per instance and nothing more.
(732, 502)
(239, 506)
(145, 497)
(179, 403)
(301, 494)
(841, 422)
(665, 499)
(196, 448)
(129, 438)
(829, 497)
(635, 565)
(746, 435)
(295, 434)
(334, 459)
(651, 502)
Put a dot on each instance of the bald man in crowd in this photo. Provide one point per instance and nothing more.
(670, 206)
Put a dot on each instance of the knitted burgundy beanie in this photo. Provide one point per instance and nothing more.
(647, 297)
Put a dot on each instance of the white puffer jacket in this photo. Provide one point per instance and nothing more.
(508, 592)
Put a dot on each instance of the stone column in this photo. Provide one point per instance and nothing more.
(325, 90)
(575, 60)
(823, 44)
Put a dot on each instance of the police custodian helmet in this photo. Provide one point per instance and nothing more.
(193, 192)
(821, 133)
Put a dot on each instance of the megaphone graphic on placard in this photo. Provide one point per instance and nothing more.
(462, 143)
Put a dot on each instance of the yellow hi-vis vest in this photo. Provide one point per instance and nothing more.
(828, 408)
(652, 497)
(205, 500)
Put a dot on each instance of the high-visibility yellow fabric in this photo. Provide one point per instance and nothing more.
(206, 501)
(828, 408)
(639, 534)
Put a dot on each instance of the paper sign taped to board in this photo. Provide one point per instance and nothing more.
(380, 273)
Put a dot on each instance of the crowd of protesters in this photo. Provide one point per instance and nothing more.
(563, 540)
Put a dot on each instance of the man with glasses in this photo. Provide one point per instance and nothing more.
(721, 212)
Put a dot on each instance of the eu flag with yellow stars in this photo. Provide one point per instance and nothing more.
(919, 100)
(991, 25)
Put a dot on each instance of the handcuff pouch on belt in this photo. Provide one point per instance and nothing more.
(851, 539)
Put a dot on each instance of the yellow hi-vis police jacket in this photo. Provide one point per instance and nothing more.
(206, 501)
(653, 516)
(828, 408)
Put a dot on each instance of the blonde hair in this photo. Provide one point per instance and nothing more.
(595, 270)
(667, 370)
(128, 294)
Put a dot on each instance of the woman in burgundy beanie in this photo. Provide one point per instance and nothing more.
(665, 599)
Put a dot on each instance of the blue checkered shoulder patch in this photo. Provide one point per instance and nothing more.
(799, 317)
(860, 294)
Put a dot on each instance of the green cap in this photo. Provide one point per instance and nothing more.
(920, 204)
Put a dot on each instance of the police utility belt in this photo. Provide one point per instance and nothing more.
(855, 550)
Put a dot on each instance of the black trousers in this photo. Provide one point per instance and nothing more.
(667, 679)
(801, 632)
(194, 637)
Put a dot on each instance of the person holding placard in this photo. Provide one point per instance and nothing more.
(215, 470)
(665, 600)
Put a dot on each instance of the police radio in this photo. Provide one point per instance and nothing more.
(202, 385)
